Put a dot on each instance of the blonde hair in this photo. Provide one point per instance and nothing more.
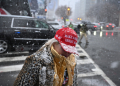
(48, 43)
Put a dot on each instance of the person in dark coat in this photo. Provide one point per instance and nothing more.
(83, 31)
(78, 27)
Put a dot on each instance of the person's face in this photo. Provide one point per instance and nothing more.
(64, 53)
(60, 50)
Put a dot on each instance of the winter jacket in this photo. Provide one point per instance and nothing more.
(79, 26)
(71, 26)
(83, 29)
(46, 68)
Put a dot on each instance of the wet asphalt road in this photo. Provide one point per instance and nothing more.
(105, 52)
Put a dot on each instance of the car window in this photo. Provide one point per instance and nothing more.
(43, 25)
(23, 23)
(29, 23)
(96, 24)
(102, 23)
(5, 22)
(53, 23)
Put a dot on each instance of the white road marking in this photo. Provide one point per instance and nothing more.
(87, 74)
(108, 80)
(11, 68)
(86, 61)
(10, 53)
(82, 54)
(7, 59)
(96, 71)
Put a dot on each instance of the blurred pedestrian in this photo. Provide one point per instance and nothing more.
(71, 25)
(83, 31)
(53, 64)
(78, 27)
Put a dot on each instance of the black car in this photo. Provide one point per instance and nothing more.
(107, 26)
(110, 26)
(97, 27)
(23, 33)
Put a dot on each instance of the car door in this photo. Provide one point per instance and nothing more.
(22, 34)
(42, 31)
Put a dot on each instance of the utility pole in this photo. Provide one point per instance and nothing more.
(119, 11)
(45, 10)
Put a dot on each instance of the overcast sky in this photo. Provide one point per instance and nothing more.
(70, 3)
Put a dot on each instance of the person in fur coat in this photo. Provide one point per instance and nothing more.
(54, 64)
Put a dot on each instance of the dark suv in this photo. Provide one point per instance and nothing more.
(23, 33)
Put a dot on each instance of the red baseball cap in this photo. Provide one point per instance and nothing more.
(67, 38)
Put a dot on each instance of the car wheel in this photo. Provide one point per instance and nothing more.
(3, 46)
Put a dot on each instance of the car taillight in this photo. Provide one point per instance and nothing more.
(112, 34)
(107, 25)
(106, 33)
(95, 26)
(113, 26)
(110, 24)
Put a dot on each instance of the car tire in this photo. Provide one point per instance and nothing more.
(3, 46)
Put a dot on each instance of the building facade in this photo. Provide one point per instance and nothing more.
(52, 5)
(81, 7)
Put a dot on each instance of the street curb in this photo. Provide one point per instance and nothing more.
(96, 71)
